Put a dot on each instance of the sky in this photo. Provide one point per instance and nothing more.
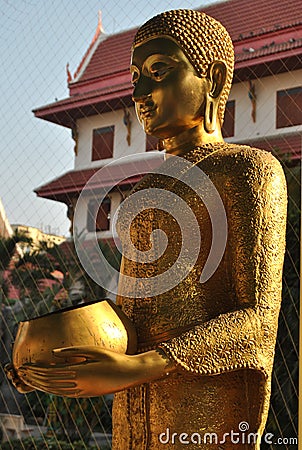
(38, 38)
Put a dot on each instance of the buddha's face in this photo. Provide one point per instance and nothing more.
(168, 93)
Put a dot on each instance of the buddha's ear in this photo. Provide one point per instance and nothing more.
(217, 76)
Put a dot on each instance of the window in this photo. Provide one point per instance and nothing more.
(228, 128)
(102, 143)
(289, 107)
(151, 143)
(98, 219)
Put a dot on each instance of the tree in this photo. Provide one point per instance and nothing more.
(71, 419)
(7, 252)
(68, 419)
(283, 414)
(43, 263)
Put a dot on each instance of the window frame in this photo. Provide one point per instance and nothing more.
(228, 126)
(101, 150)
(288, 111)
(93, 215)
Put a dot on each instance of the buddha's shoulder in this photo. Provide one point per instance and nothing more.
(236, 158)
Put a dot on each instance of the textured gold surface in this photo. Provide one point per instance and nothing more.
(201, 38)
(236, 310)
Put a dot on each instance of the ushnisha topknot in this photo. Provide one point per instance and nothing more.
(202, 39)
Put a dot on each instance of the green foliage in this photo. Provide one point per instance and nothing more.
(40, 264)
(7, 251)
(7, 248)
(283, 415)
(48, 443)
(35, 406)
(74, 419)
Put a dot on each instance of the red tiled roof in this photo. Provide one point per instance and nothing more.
(245, 18)
(112, 56)
(73, 182)
(268, 49)
(265, 35)
(242, 19)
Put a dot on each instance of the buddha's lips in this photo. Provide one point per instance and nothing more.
(147, 111)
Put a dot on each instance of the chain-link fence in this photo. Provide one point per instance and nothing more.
(39, 39)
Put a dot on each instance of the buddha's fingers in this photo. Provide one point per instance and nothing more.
(49, 377)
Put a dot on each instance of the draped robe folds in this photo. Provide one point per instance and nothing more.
(221, 333)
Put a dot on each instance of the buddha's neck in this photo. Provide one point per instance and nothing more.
(189, 139)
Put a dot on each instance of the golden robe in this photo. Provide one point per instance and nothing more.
(221, 333)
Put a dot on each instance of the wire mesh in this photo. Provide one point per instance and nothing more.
(38, 40)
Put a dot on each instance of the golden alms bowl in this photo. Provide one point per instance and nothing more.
(101, 324)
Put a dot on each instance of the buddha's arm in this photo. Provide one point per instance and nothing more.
(245, 337)
(100, 372)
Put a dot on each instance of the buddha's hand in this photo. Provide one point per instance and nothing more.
(16, 381)
(95, 372)
(85, 371)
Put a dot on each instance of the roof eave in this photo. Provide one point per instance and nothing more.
(267, 65)
(68, 111)
(114, 176)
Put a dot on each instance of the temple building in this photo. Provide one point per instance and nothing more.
(37, 236)
(264, 107)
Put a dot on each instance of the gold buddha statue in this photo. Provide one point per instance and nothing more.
(202, 373)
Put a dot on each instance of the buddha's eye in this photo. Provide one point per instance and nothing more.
(135, 77)
(159, 70)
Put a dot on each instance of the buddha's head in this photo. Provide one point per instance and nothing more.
(182, 68)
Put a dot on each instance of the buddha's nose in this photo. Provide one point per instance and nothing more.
(142, 90)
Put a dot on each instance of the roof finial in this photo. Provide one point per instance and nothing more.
(69, 76)
(100, 22)
(98, 35)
